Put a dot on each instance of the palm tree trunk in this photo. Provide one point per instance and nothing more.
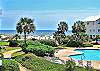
(25, 38)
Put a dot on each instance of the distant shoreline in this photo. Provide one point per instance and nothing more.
(36, 33)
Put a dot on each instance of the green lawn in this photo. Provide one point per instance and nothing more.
(8, 49)
(11, 48)
(17, 54)
(3, 43)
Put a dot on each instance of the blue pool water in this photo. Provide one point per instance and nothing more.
(87, 55)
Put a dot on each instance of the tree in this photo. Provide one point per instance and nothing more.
(59, 35)
(26, 26)
(79, 29)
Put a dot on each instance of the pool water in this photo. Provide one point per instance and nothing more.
(87, 55)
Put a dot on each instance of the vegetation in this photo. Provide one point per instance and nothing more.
(11, 48)
(13, 43)
(10, 65)
(78, 30)
(35, 63)
(48, 42)
(70, 66)
(87, 45)
(17, 54)
(78, 37)
(39, 49)
(26, 26)
(73, 44)
(3, 43)
(59, 35)
(16, 36)
(78, 27)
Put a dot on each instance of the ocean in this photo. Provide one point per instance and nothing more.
(36, 33)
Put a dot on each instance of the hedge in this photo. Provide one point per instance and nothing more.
(48, 42)
(74, 44)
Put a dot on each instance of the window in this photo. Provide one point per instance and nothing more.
(98, 30)
(98, 21)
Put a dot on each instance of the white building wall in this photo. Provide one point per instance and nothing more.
(92, 28)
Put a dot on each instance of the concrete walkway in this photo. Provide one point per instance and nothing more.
(22, 68)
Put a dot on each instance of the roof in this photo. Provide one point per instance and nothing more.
(92, 18)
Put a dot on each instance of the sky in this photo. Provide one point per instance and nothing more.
(46, 13)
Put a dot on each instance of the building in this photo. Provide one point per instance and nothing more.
(92, 26)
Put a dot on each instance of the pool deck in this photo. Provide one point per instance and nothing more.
(64, 54)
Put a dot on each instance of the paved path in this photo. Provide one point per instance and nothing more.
(23, 68)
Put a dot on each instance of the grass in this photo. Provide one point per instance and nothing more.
(11, 48)
(9, 65)
(8, 49)
(4, 43)
(35, 63)
(17, 54)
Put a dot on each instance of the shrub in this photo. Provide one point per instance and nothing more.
(48, 42)
(70, 66)
(37, 48)
(10, 65)
(35, 63)
(74, 44)
(65, 41)
(13, 43)
(40, 49)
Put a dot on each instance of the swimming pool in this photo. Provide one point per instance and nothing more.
(87, 55)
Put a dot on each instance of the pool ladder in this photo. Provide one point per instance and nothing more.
(83, 56)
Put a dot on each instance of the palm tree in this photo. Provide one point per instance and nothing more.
(59, 35)
(26, 26)
(78, 28)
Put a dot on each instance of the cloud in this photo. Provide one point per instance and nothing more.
(47, 19)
